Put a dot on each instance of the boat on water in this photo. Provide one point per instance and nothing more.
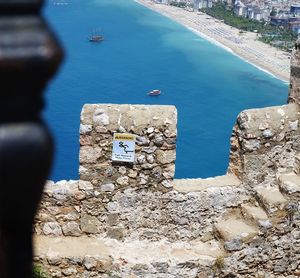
(95, 37)
(154, 93)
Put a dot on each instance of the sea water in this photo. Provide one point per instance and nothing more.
(142, 51)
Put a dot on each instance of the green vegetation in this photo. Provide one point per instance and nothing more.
(276, 36)
(219, 264)
(38, 272)
(178, 4)
(220, 11)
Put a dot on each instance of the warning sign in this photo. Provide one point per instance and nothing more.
(123, 147)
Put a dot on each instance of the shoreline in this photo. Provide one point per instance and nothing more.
(273, 61)
(215, 42)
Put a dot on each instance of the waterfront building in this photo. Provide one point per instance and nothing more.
(295, 9)
(295, 26)
(280, 20)
(202, 4)
(240, 9)
(162, 1)
(254, 12)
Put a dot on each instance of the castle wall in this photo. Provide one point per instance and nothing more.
(133, 220)
(294, 88)
(77, 208)
(132, 200)
(155, 130)
(265, 143)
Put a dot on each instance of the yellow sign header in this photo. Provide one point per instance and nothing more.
(124, 136)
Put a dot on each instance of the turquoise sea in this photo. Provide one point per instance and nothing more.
(143, 51)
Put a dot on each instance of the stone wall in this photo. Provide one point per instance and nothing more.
(77, 208)
(273, 254)
(155, 130)
(135, 221)
(122, 221)
(200, 228)
(264, 143)
(294, 88)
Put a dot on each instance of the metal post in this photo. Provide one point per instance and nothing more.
(29, 56)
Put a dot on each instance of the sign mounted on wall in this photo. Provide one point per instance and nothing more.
(123, 147)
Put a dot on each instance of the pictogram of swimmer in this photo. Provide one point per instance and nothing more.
(121, 145)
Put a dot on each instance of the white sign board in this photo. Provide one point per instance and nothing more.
(123, 147)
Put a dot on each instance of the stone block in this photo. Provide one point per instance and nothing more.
(89, 154)
(289, 184)
(108, 187)
(270, 198)
(71, 229)
(253, 212)
(116, 233)
(85, 185)
(113, 219)
(165, 157)
(233, 228)
(52, 228)
(89, 224)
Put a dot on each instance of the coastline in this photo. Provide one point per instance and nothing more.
(263, 56)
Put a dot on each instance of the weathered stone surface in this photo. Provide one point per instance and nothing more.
(108, 187)
(154, 128)
(69, 271)
(71, 229)
(89, 154)
(270, 198)
(132, 174)
(169, 171)
(89, 224)
(251, 145)
(253, 212)
(234, 245)
(159, 140)
(125, 259)
(267, 133)
(116, 233)
(141, 159)
(52, 228)
(62, 190)
(263, 143)
(289, 184)
(149, 150)
(294, 124)
(194, 185)
(150, 214)
(84, 129)
(86, 140)
(113, 207)
(157, 173)
(113, 219)
(233, 229)
(85, 185)
(100, 118)
(142, 141)
(165, 157)
(167, 184)
(123, 181)
(90, 262)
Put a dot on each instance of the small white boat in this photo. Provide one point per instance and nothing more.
(95, 37)
(154, 93)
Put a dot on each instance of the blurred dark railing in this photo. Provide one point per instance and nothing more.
(29, 56)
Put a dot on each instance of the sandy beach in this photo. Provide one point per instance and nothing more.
(246, 45)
